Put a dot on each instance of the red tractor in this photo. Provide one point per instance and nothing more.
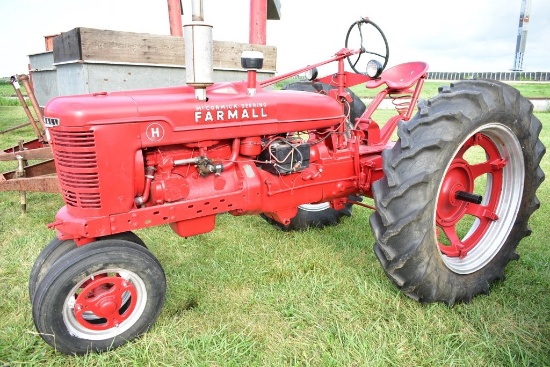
(453, 194)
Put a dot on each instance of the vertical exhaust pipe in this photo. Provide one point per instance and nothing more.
(197, 12)
(199, 55)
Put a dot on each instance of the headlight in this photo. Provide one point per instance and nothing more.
(311, 74)
(374, 69)
(252, 60)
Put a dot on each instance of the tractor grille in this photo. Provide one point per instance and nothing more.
(75, 155)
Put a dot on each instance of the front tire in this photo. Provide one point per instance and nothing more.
(99, 296)
(458, 191)
(57, 248)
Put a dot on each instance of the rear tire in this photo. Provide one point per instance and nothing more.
(98, 297)
(320, 215)
(314, 216)
(478, 137)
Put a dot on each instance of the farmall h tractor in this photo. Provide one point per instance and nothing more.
(453, 194)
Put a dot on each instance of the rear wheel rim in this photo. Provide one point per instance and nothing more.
(314, 207)
(469, 235)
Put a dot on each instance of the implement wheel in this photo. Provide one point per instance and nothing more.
(458, 191)
(99, 296)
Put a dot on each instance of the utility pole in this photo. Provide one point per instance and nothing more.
(524, 15)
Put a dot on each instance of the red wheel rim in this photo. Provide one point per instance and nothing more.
(105, 302)
(461, 176)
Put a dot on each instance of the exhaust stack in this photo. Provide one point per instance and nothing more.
(199, 54)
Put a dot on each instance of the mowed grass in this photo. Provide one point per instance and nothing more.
(8, 96)
(532, 90)
(247, 294)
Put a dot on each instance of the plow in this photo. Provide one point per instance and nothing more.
(41, 175)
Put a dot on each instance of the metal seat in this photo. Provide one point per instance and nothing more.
(399, 77)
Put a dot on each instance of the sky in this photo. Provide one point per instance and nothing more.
(465, 35)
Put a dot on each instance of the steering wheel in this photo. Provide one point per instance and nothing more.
(370, 32)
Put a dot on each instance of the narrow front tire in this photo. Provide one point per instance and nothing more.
(98, 297)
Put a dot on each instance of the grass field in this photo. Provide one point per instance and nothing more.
(529, 89)
(533, 90)
(8, 96)
(249, 295)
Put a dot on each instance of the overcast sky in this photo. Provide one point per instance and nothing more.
(465, 35)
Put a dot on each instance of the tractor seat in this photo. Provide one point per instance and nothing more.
(402, 76)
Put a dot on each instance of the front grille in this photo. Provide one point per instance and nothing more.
(75, 155)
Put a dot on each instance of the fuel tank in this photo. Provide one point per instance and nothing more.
(173, 115)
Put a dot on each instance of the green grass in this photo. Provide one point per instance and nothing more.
(12, 116)
(8, 97)
(430, 88)
(530, 90)
(533, 90)
(249, 295)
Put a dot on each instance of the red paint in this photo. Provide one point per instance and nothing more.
(129, 160)
(258, 21)
(174, 18)
(460, 177)
(109, 299)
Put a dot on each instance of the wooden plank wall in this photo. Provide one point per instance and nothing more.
(89, 44)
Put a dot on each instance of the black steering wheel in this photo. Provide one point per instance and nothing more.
(370, 33)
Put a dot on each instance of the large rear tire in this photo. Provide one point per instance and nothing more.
(320, 215)
(458, 191)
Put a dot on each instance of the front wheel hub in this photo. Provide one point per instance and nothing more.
(105, 302)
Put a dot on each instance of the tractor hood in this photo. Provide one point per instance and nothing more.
(228, 112)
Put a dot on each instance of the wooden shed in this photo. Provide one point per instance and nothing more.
(87, 60)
